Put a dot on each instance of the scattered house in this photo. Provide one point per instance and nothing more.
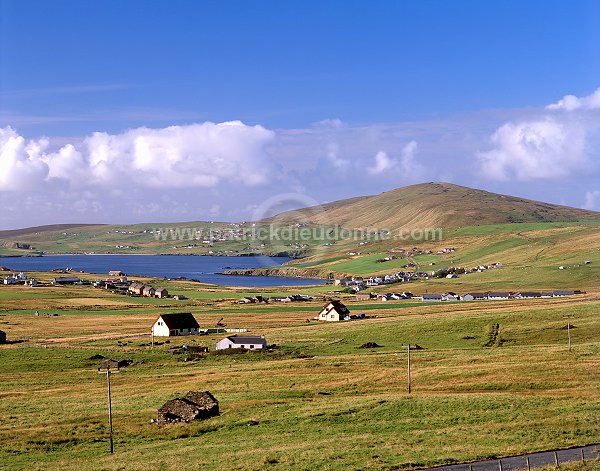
(194, 405)
(334, 311)
(431, 297)
(179, 297)
(161, 293)
(175, 324)
(450, 296)
(148, 291)
(474, 297)
(116, 273)
(249, 342)
(340, 282)
(562, 292)
(136, 288)
(10, 280)
(498, 295)
(33, 282)
(21, 276)
(66, 280)
(363, 296)
(2, 336)
(528, 295)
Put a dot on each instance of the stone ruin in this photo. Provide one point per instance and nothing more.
(195, 405)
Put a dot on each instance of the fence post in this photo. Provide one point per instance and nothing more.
(500, 465)
(582, 456)
(556, 459)
(527, 461)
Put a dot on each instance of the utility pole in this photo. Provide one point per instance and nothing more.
(569, 329)
(108, 372)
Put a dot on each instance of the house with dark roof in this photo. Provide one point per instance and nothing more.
(161, 293)
(249, 342)
(431, 297)
(334, 311)
(175, 324)
(493, 295)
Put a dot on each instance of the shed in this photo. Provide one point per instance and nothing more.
(249, 342)
(175, 324)
(334, 311)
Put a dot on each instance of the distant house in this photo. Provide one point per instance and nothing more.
(10, 280)
(2, 336)
(136, 288)
(474, 296)
(334, 311)
(116, 273)
(161, 293)
(175, 324)
(66, 280)
(498, 295)
(528, 295)
(148, 291)
(562, 292)
(431, 297)
(450, 297)
(363, 297)
(32, 282)
(249, 342)
(21, 276)
(340, 282)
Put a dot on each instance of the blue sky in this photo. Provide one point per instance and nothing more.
(377, 95)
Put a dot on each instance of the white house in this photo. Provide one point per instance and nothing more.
(334, 311)
(175, 324)
(497, 296)
(249, 342)
(431, 297)
(10, 280)
(22, 276)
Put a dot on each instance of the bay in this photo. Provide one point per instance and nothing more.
(202, 268)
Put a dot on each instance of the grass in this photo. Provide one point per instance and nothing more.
(316, 402)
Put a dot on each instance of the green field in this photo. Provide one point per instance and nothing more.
(317, 401)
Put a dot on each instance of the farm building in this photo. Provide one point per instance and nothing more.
(334, 311)
(431, 297)
(116, 273)
(2, 336)
(175, 324)
(363, 296)
(249, 342)
(161, 293)
(148, 291)
(474, 297)
(66, 280)
(496, 296)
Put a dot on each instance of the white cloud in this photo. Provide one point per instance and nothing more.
(383, 163)
(529, 150)
(196, 155)
(406, 166)
(592, 200)
(21, 167)
(332, 154)
(571, 102)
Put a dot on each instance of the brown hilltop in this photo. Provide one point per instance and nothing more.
(429, 205)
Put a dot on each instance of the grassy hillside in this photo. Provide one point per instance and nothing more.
(431, 205)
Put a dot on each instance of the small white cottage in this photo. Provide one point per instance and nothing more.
(334, 311)
(249, 342)
(175, 324)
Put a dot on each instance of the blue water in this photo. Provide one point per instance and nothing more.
(204, 269)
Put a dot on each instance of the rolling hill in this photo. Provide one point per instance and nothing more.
(430, 205)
